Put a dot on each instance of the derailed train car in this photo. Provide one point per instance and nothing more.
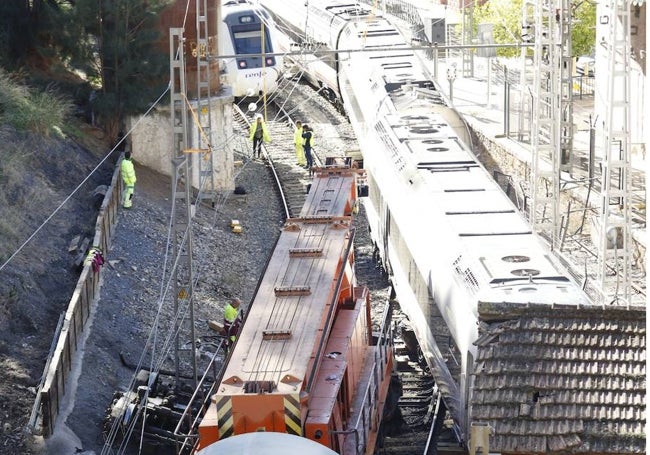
(447, 234)
(306, 361)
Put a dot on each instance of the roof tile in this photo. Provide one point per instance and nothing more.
(565, 379)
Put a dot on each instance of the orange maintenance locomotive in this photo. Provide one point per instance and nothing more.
(307, 361)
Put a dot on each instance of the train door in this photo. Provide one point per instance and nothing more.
(386, 238)
(467, 384)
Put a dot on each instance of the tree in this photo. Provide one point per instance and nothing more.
(115, 44)
(121, 54)
(583, 28)
(27, 28)
(506, 16)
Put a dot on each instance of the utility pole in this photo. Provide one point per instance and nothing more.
(467, 11)
(547, 23)
(190, 153)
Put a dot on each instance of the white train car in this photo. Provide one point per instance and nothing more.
(247, 44)
(305, 38)
(448, 235)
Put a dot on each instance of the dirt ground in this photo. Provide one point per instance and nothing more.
(36, 176)
(37, 273)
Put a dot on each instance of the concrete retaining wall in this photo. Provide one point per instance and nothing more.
(151, 141)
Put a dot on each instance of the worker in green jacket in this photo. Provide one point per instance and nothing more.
(232, 319)
(128, 176)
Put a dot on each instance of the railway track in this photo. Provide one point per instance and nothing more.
(333, 138)
(280, 156)
(416, 402)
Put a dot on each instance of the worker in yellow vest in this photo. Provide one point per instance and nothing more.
(297, 142)
(232, 319)
(259, 133)
(128, 176)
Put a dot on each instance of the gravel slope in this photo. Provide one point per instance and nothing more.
(228, 265)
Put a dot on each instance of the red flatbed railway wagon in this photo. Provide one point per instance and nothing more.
(306, 362)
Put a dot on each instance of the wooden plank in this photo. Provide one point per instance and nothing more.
(74, 243)
(217, 327)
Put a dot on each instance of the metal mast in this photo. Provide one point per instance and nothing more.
(545, 138)
(615, 217)
(182, 207)
(565, 117)
(203, 103)
(468, 34)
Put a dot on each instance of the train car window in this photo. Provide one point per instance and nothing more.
(248, 40)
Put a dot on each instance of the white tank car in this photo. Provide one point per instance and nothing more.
(449, 237)
(246, 48)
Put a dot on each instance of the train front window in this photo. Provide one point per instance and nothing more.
(250, 41)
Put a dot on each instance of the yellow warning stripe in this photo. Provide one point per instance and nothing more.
(224, 414)
(292, 419)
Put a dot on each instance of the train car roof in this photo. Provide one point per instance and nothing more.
(287, 317)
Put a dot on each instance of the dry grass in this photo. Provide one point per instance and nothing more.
(24, 112)
(28, 109)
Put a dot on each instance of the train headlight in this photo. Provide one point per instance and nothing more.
(252, 107)
(269, 61)
(241, 63)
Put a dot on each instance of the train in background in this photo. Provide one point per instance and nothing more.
(249, 34)
(306, 361)
(447, 234)
(301, 41)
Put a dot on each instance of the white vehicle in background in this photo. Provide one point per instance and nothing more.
(247, 28)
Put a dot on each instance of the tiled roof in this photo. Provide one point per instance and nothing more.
(561, 379)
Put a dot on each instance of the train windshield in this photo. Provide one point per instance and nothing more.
(249, 41)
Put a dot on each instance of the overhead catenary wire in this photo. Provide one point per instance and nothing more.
(164, 284)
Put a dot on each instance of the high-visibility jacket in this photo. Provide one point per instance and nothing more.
(231, 321)
(297, 137)
(230, 313)
(265, 132)
(128, 172)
